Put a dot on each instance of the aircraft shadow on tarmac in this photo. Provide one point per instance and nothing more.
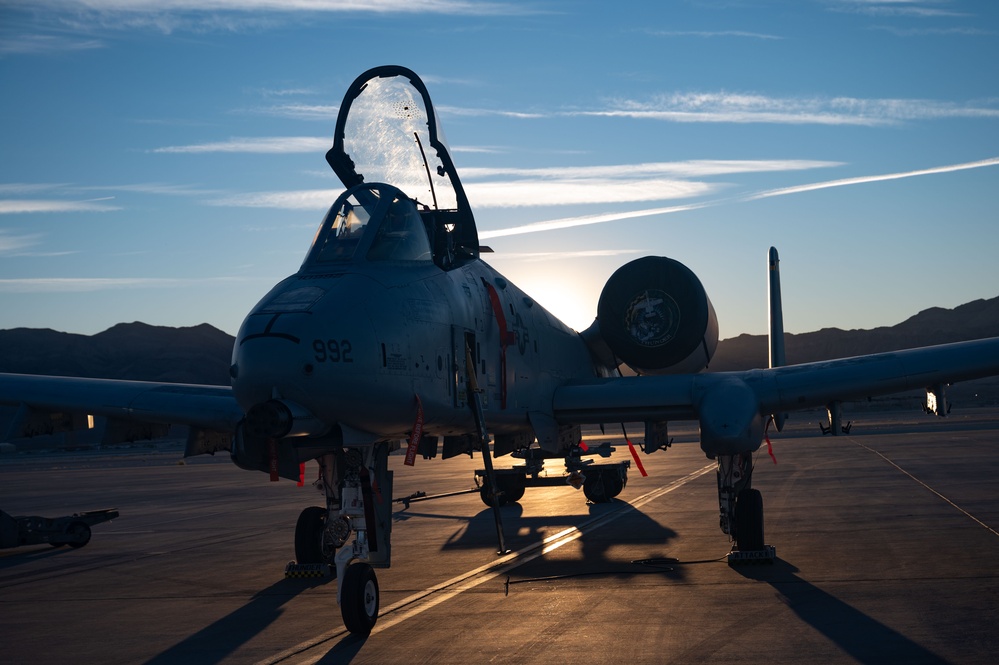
(216, 642)
(30, 554)
(629, 527)
(862, 637)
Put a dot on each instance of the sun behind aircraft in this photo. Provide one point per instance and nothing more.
(394, 329)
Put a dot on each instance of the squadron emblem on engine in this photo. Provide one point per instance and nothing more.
(652, 318)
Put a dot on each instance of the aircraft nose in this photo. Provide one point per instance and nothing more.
(309, 345)
(267, 367)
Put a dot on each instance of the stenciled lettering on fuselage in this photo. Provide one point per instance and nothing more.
(332, 350)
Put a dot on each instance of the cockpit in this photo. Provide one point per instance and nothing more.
(375, 222)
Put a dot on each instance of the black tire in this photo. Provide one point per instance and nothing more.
(80, 532)
(309, 534)
(513, 486)
(359, 598)
(613, 483)
(484, 494)
(594, 487)
(749, 521)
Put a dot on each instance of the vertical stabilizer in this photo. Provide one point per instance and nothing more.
(776, 323)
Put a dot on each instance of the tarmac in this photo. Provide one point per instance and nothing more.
(886, 540)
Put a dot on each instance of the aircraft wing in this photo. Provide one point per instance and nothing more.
(810, 385)
(135, 409)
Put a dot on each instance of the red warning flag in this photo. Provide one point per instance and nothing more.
(766, 435)
(634, 453)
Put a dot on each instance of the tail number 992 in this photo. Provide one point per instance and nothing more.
(333, 351)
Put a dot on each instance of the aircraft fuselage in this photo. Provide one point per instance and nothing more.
(356, 348)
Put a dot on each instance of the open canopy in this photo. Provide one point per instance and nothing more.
(387, 131)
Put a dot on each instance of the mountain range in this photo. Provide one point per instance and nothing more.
(973, 320)
(201, 354)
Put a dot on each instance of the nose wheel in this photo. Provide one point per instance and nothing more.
(309, 534)
(359, 598)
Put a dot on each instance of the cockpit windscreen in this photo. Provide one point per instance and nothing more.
(374, 221)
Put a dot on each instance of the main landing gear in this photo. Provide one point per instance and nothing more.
(741, 510)
(358, 488)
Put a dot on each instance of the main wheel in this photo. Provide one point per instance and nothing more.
(309, 534)
(613, 483)
(513, 486)
(359, 598)
(484, 494)
(80, 532)
(595, 489)
(749, 521)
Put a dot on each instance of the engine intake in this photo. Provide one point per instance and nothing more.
(654, 315)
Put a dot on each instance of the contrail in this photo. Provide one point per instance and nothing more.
(570, 222)
(871, 178)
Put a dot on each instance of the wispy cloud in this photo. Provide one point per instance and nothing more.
(559, 256)
(309, 199)
(263, 145)
(287, 92)
(69, 189)
(695, 168)
(44, 24)
(168, 16)
(756, 108)
(711, 33)
(520, 193)
(478, 112)
(558, 186)
(621, 183)
(157, 188)
(18, 245)
(17, 206)
(336, 6)
(583, 191)
(85, 284)
(571, 222)
(478, 149)
(916, 8)
(922, 32)
(8, 188)
(522, 187)
(300, 111)
(751, 107)
(11, 242)
(36, 44)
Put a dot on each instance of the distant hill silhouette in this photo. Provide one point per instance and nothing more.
(135, 351)
(201, 354)
(936, 325)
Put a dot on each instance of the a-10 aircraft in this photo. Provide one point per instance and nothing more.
(394, 329)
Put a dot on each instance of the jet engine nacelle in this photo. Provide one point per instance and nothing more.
(654, 316)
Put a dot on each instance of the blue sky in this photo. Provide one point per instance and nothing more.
(163, 161)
